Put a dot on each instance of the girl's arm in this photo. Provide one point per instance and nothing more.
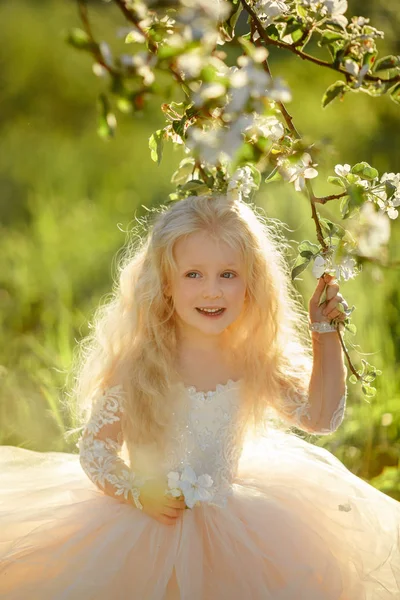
(100, 445)
(321, 409)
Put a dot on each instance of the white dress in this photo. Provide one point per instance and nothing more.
(276, 519)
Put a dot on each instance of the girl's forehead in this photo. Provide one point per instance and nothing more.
(203, 248)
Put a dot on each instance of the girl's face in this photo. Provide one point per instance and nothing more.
(209, 285)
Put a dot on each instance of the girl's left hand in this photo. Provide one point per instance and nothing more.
(327, 310)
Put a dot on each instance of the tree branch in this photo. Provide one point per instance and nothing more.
(308, 57)
(326, 199)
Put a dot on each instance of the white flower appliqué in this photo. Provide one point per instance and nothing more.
(194, 489)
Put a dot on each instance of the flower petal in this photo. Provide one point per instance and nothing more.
(191, 497)
(205, 481)
(189, 475)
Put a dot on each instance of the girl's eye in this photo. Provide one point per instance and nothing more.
(225, 275)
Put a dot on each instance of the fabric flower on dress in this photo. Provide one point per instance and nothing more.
(194, 489)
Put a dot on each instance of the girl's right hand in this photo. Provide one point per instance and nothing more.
(161, 506)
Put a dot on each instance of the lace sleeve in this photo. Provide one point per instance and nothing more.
(100, 445)
(296, 409)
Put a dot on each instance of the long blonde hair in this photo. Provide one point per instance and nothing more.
(134, 336)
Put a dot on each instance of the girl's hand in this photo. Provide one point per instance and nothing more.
(327, 310)
(163, 508)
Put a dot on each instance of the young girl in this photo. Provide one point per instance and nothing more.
(190, 489)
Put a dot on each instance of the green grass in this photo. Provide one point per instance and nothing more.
(67, 198)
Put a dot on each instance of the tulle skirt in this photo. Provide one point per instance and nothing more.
(298, 526)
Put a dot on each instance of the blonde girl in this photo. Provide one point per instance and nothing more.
(187, 486)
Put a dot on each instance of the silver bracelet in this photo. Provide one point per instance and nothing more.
(321, 327)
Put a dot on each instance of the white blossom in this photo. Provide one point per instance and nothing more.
(268, 127)
(204, 142)
(142, 63)
(99, 70)
(190, 63)
(319, 266)
(195, 489)
(173, 484)
(371, 229)
(214, 9)
(250, 81)
(298, 172)
(219, 143)
(334, 9)
(354, 69)
(342, 170)
(344, 269)
(246, 82)
(241, 183)
(105, 52)
(266, 10)
(386, 204)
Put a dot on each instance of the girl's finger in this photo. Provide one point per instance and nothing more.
(331, 305)
(174, 513)
(175, 503)
(332, 290)
(336, 314)
(315, 298)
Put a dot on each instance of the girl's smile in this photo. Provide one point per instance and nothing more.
(211, 312)
(208, 287)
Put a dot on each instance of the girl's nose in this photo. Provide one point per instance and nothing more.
(212, 290)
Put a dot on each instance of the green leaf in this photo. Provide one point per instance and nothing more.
(306, 254)
(184, 171)
(370, 173)
(156, 145)
(273, 176)
(351, 328)
(293, 25)
(345, 207)
(356, 196)
(306, 245)
(299, 269)
(368, 391)
(328, 37)
(336, 181)
(353, 378)
(395, 93)
(387, 62)
(364, 170)
(272, 32)
(179, 126)
(208, 74)
(235, 16)
(328, 228)
(195, 186)
(359, 167)
(301, 10)
(336, 89)
(80, 40)
(165, 51)
(107, 122)
(390, 189)
(255, 173)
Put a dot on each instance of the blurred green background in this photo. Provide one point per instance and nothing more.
(67, 198)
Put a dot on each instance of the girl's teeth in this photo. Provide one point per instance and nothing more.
(211, 311)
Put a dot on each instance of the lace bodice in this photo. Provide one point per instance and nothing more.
(202, 451)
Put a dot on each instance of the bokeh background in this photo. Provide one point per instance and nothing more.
(67, 198)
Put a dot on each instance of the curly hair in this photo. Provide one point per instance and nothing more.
(134, 334)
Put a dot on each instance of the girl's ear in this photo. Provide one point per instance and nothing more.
(167, 290)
